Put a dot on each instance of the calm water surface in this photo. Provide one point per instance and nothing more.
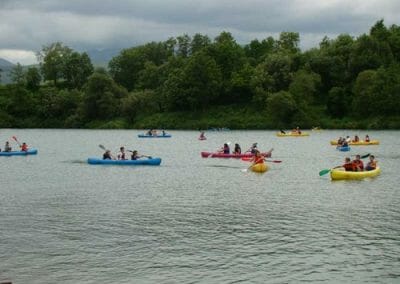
(195, 220)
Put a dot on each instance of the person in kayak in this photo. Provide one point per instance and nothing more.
(371, 165)
(150, 132)
(359, 165)
(366, 138)
(136, 156)
(356, 138)
(258, 158)
(253, 148)
(24, 147)
(348, 165)
(7, 147)
(121, 154)
(225, 149)
(107, 155)
(202, 136)
(237, 149)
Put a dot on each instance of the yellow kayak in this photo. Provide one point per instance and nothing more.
(259, 168)
(340, 173)
(292, 134)
(359, 143)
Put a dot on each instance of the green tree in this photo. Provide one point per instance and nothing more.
(282, 107)
(338, 101)
(126, 67)
(18, 75)
(289, 42)
(77, 69)
(52, 61)
(199, 43)
(102, 97)
(304, 87)
(33, 78)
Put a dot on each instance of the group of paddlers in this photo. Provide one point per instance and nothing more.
(345, 141)
(122, 155)
(357, 164)
(7, 147)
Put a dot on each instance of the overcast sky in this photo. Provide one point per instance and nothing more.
(27, 25)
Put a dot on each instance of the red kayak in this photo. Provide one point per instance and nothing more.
(238, 156)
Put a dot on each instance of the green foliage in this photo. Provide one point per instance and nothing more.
(282, 107)
(193, 82)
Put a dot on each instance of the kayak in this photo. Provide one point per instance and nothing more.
(202, 138)
(20, 153)
(292, 134)
(154, 136)
(238, 156)
(343, 148)
(150, 162)
(359, 143)
(259, 168)
(340, 173)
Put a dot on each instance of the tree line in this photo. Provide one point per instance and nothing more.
(198, 82)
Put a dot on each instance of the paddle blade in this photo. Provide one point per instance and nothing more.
(365, 156)
(274, 161)
(324, 172)
(102, 147)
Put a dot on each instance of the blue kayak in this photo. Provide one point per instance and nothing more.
(150, 162)
(154, 136)
(343, 148)
(19, 153)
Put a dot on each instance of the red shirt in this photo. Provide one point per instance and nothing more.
(358, 164)
(349, 167)
(24, 147)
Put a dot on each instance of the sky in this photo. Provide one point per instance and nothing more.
(28, 25)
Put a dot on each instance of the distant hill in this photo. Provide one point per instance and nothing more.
(6, 67)
(101, 57)
(5, 64)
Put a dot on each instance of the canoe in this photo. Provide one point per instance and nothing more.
(150, 162)
(343, 148)
(154, 136)
(237, 156)
(359, 143)
(20, 153)
(292, 134)
(340, 174)
(259, 168)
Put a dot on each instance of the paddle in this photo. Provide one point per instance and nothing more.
(149, 157)
(325, 171)
(105, 149)
(248, 159)
(16, 140)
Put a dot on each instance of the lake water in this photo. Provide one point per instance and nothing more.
(196, 220)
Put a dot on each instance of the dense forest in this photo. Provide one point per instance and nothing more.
(194, 82)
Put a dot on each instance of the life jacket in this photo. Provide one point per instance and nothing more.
(259, 160)
(226, 150)
(350, 167)
(371, 165)
(106, 156)
(358, 164)
(121, 156)
(24, 148)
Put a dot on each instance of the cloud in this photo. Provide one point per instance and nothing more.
(90, 24)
